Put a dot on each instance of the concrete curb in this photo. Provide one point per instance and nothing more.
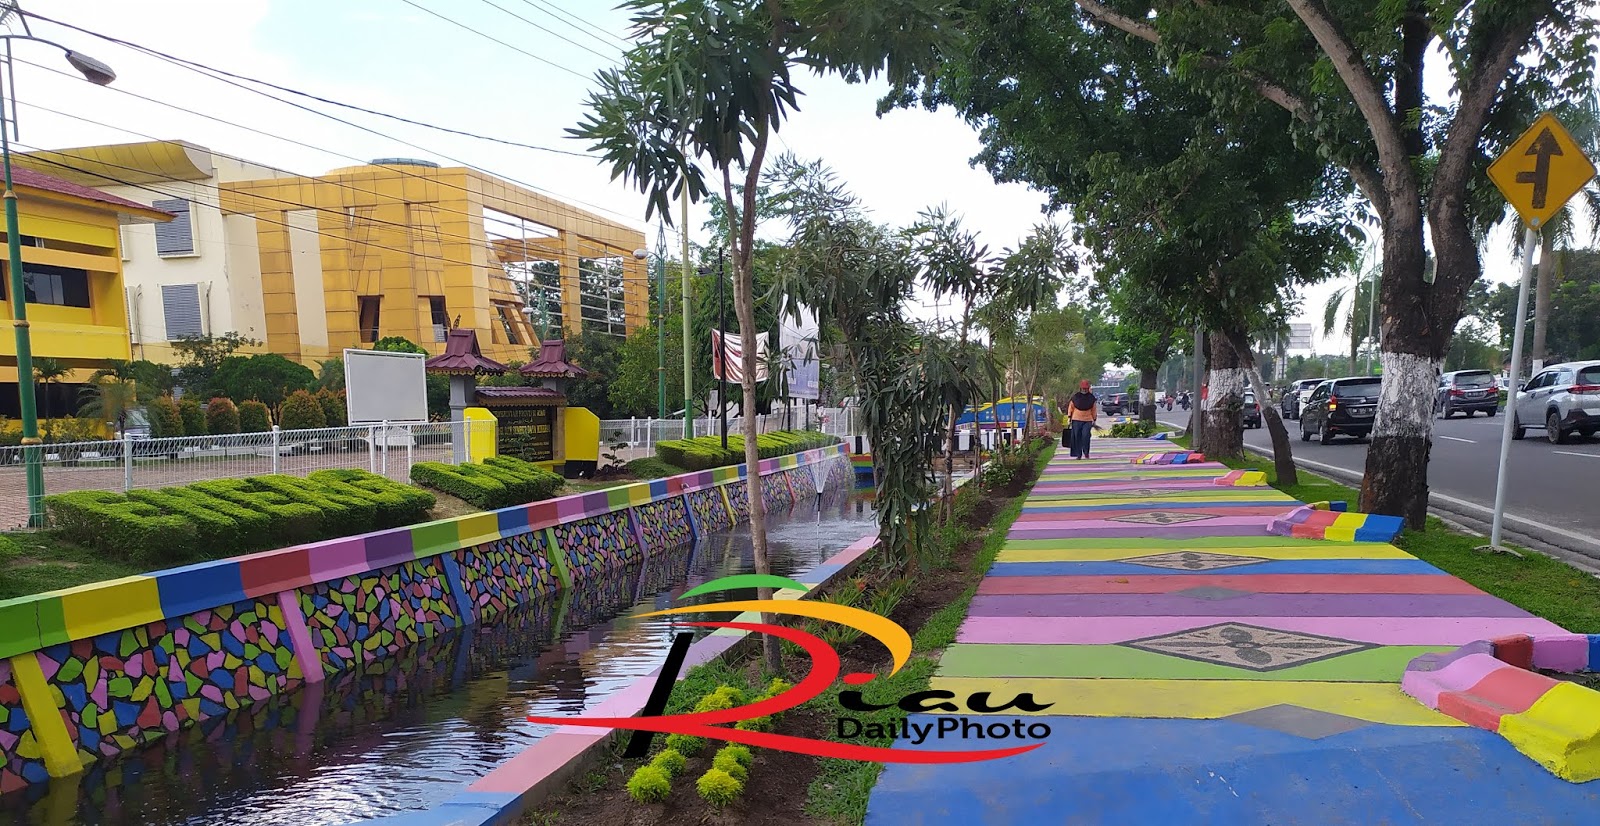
(1574, 549)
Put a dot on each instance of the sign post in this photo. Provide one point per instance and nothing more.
(1538, 174)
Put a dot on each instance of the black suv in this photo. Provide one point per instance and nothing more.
(1114, 404)
(1467, 391)
(1341, 407)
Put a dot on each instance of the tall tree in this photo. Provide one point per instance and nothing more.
(711, 79)
(1350, 74)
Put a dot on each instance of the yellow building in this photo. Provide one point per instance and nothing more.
(72, 268)
(310, 266)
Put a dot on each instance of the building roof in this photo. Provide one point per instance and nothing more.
(33, 179)
(552, 362)
(519, 396)
(462, 356)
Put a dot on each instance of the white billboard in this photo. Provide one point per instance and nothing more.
(385, 387)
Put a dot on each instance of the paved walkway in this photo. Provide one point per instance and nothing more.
(1203, 670)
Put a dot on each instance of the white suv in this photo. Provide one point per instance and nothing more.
(1563, 399)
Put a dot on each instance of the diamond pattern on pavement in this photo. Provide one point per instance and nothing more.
(1248, 646)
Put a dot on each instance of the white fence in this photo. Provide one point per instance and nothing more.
(388, 450)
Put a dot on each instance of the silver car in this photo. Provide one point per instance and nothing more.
(1563, 399)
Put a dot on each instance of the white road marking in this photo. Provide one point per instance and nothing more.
(1574, 453)
(1455, 439)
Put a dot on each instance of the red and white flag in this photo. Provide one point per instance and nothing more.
(733, 347)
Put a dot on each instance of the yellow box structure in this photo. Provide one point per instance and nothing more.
(481, 438)
(72, 264)
(312, 265)
(580, 435)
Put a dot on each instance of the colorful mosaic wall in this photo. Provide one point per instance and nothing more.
(739, 500)
(500, 575)
(363, 617)
(130, 660)
(596, 545)
(663, 524)
(710, 512)
(23, 762)
(125, 688)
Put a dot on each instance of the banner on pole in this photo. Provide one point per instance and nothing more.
(802, 367)
(730, 349)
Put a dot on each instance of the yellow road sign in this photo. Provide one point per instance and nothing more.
(1541, 170)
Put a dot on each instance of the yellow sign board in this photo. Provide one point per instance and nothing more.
(1541, 170)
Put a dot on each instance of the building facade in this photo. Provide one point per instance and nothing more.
(72, 272)
(309, 266)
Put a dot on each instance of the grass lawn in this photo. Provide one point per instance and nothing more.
(1533, 582)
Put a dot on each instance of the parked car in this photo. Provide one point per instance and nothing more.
(1563, 399)
(1294, 397)
(1340, 407)
(1114, 404)
(1467, 391)
(1252, 410)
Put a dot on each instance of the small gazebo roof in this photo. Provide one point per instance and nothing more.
(520, 396)
(461, 356)
(552, 362)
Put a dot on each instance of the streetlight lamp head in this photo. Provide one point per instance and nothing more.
(641, 254)
(92, 70)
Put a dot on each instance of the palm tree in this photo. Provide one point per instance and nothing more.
(112, 393)
(1357, 320)
(49, 371)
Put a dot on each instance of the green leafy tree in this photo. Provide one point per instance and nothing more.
(165, 419)
(1145, 332)
(221, 417)
(267, 377)
(301, 412)
(199, 357)
(1349, 73)
(633, 391)
(194, 417)
(248, 417)
(334, 411)
(49, 372)
(112, 393)
(398, 344)
(330, 375)
(599, 354)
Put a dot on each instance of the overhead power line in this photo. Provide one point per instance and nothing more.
(460, 25)
(578, 22)
(228, 78)
(610, 58)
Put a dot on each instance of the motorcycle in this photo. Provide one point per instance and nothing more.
(1184, 402)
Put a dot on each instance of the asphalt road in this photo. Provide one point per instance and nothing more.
(1550, 486)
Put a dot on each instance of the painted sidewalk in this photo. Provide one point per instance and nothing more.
(1201, 670)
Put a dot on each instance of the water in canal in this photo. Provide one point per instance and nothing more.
(405, 733)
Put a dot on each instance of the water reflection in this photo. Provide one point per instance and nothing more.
(404, 733)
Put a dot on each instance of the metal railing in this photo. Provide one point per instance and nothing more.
(122, 465)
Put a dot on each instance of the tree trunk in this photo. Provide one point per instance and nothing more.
(1541, 307)
(1147, 395)
(1417, 321)
(1282, 456)
(1221, 432)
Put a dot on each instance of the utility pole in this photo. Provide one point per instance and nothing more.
(722, 324)
(661, 321)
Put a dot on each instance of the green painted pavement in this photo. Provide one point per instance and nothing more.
(1187, 544)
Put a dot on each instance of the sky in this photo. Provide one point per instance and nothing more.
(529, 87)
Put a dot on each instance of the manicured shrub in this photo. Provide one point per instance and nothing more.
(715, 701)
(719, 788)
(253, 417)
(670, 761)
(650, 784)
(194, 418)
(739, 753)
(301, 412)
(498, 482)
(165, 420)
(731, 765)
(225, 517)
(222, 418)
(705, 452)
(685, 744)
(334, 412)
(1136, 429)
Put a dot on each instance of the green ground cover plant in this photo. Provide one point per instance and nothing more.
(496, 482)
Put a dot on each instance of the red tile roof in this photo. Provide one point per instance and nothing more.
(462, 356)
(50, 183)
(552, 362)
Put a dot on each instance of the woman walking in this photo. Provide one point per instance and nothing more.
(1082, 411)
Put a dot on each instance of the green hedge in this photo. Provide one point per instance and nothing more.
(226, 517)
(704, 452)
(499, 482)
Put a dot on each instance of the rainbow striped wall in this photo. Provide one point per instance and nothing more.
(89, 672)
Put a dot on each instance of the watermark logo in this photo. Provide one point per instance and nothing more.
(824, 674)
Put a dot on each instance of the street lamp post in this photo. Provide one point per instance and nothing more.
(100, 74)
(660, 279)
